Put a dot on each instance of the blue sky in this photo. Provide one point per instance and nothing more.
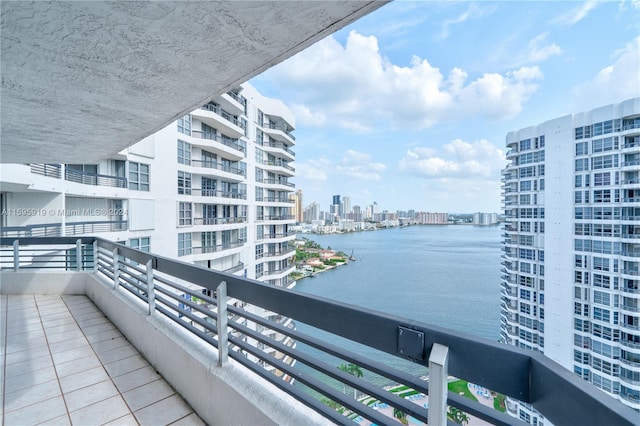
(409, 106)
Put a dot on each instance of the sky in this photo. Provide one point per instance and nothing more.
(410, 105)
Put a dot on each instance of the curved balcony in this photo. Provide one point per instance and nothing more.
(278, 148)
(224, 146)
(211, 168)
(215, 193)
(279, 131)
(214, 116)
(279, 184)
(279, 166)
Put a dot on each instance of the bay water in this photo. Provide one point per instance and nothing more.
(445, 275)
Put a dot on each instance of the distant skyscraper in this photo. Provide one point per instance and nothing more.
(572, 247)
(311, 212)
(346, 206)
(298, 211)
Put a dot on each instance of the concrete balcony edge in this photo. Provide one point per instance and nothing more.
(220, 395)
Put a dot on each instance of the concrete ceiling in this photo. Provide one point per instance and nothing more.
(83, 80)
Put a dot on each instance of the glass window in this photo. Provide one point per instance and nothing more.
(582, 148)
(138, 176)
(185, 214)
(184, 152)
(184, 183)
(142, 244)
(184, 244)
(184, 125)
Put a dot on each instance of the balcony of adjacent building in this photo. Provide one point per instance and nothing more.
(280, 183)
(277, 148)
(233, 102)
(219, 144)
(277, 128)
(213, 115)
(116, 295)
(277, 165)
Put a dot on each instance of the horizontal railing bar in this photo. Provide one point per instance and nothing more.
(286, 387)
(187, 302)
(334, 372)
(204, 336)
(185, 313)
(312, 382)
(370, 365)
(126, 265)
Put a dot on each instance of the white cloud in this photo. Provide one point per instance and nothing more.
(314, 170)
(474, 11)
(355, 87)
(613, 83)
(577, 14)
(459, 159)
(305, 116)
(539, 52)
(358, 165)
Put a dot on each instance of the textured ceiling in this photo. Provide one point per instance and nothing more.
(83, 80)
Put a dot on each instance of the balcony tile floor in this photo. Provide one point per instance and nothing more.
(63, 362)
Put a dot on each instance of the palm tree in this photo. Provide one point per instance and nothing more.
(457, 415)
(354, 370)
(400, 415)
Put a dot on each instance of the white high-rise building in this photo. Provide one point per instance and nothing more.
(212, 189)
(571, 276)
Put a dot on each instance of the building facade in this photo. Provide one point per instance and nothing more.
(571, 262)
(211, 189)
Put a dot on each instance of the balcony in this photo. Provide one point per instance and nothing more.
(227, 168)
(236, 195)
(231, 148)
(278, 148)
(83, 228)
(216, 117)
(95, 179)
(202, 354)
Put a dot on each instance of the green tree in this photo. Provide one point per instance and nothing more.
(354, 370)
(457, 415)
(400, 415)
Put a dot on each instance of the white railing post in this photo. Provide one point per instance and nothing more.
(223, 344)
(16, 255)
(79, 256)
(151, 292)
(116, 269)
(438, 384)
(95, 255)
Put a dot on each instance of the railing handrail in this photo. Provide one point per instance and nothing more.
(116, 181)
(223, 139)
(528, 376)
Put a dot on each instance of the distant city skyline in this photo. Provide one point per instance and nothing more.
(409, 106)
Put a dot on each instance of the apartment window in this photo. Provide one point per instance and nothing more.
(259, 251)
(601, 179)
(184, 125)
(142, 244)
(260, 232)
(525, 185)
(525, 144)
(601, 314)
(184, 183)
(601, 298)
(184, 244)
(138, 176)
(184, 152)
(259, 270)
(582, 164)
(600, 263)
(582, 148)
(527, 171)
(604, 162)
(606, 144)
(185, 214)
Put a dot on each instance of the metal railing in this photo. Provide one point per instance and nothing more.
(218, 220)
(214, 193)
(219, 166)
(277, 126)
(26, 231)
(222, 113)
(49, 170)
(87, 178)
(225, 140)
(528, 376)
(279, 145)
(79, 228)
(282, 164)
(278, 182)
